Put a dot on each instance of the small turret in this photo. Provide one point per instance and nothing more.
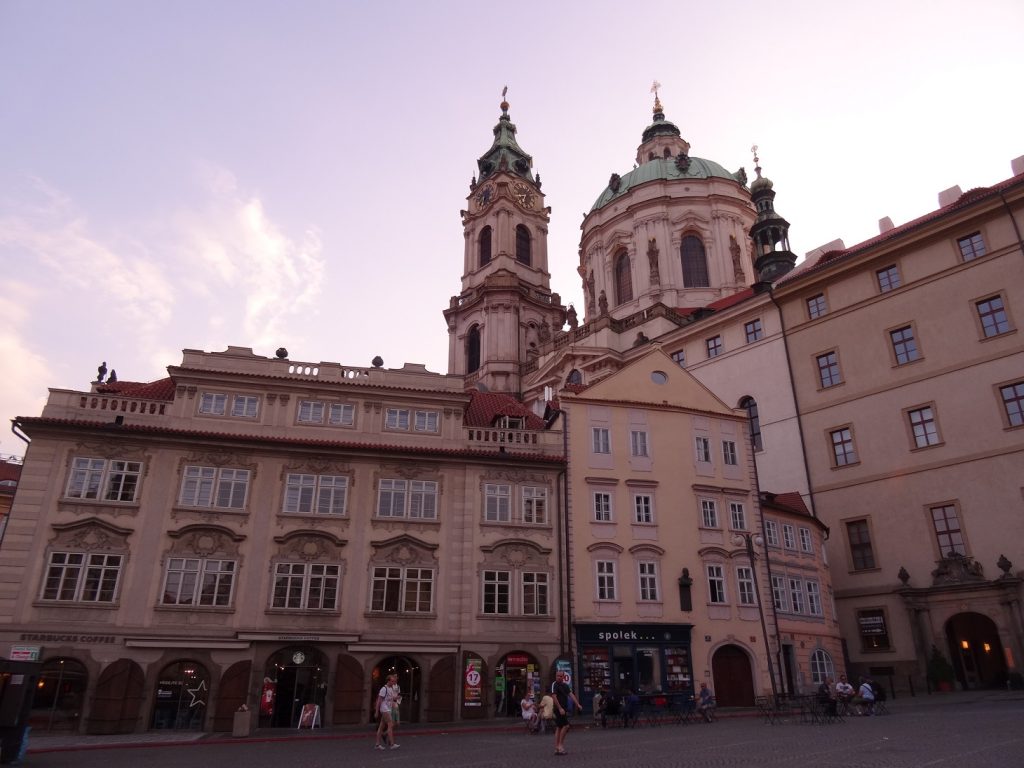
(770, 232)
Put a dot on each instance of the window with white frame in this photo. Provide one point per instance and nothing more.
(806, 544)
(923, 426)
(714, 346)
(648, 574)
(213, 403)
(737, 516)
(788, 536)
(342, 414)
(497, 503)
(311, 412)
(843, 451)
(414, 499)
(535, 594)
(606, 586)
(602, 441)
(971, 247)
(315, 494)
(306, 586)
(753, 330)
(780, 598)
(947, 530)
(771, 533)
(214, 487)
(1012, 396)
(638, 443)
(198, 581)
(104, 479)
(643, 508)
(729, 452)
(821, 667)
(535, 505)
(888, 279)
(817, 306)
(402, 590)
(709, 513)
(993, 317)
(497, 593)
(245, 406)
(82, 577)
(716, 584)
(602, 507)
(426, 421)
(745, 584)
(813, 598)
(796, 595)
(703, 446)
(396, 418)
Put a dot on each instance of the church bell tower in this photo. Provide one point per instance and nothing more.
(505, 310)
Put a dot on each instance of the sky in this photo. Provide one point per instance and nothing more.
(262, 174)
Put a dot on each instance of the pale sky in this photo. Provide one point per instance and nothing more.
(194, 174)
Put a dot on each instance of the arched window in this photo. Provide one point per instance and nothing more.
(749, 404)
(821, 666)
(523, 245)
(668, 152)
(485, 246)
(623, 279)
(473, 349)
(695, 263)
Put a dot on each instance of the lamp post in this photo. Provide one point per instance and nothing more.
(749, 539)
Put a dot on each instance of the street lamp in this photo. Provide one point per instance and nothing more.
(749, 539)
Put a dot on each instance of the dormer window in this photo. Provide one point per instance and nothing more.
(510, 422)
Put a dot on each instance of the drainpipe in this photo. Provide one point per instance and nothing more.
(564, 557)
(1009, 212)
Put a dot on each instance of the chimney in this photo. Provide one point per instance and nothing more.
(835, 245)
(1017, 164)
(884, 225)
(949, 196)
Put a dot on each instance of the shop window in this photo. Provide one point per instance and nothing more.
(874, 633)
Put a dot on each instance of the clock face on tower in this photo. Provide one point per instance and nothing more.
(523, 194)
(484, 196)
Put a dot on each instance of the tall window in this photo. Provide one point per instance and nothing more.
(415, 499)
(695, 263)
(1013, 402)
(904, 346)
(315, 494)
(796, 595)
(306, 586)
(402, 590)
(714, 346)
(112, 480)
(771, 533)
(716, 584)
(535, 594)
(485, 246)
(638, 443)
(708, 513)
(623, 278)
(813, 598)
(535, 505)
(497, 592)
(992, 314)
(602, 440)
(212, 487)
(828, 370)
(806, 544)
(843, 450)
(729, 452)
(780, 598)
(821, 667)
(817, 306)
(888, 279)
(754, 421)
(923, 427)
(602, 507)
(753, 330)
(947, 531)
(523, 245)
(737, 516)
(861, 553)
(497, 503)
(703, 447)
(643, 508)
(972, 246)
(745, 583)
(198, 581)
(874, 634)
(648, 573)
(82, 577)
(788, 536)
(473, 349)
(606, 580)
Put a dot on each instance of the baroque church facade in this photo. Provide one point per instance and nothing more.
(729, 470)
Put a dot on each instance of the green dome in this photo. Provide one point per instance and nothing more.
(664, 169)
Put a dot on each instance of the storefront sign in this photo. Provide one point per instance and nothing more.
(633, 633)
(25, 653)
(517, 660)
(472, 680)
(82, 639)
(871, 625)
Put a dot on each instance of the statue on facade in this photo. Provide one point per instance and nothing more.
(101, 372)
(570, 316)
(602, 303)
(737, 263)
(591, 298)
(652, 258)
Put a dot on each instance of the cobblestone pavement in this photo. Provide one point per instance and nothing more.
(921, 733)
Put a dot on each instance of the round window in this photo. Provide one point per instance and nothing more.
(659, 377)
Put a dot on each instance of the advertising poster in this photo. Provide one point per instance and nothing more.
(472, 682)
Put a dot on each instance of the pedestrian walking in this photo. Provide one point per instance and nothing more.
(386, 709)
(563, 696)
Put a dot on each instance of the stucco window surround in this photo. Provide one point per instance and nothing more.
(828, 370)
(406, 494)
(971, 246)
(992, 316)
(524, 245)
(888, 278)
(859, 544)
(622, 273)
(921, 423)
(648, 580)
(403, 578)
(307, 574)
(316, 491)
(904, 344)
(693, 257)
(1010, 398)
(842, 445)
(516, 580)
(200, 569)
(643, 508)
(606, 570)
(85, 564)
(601, 492)
(816, 305)
(484, 249)
(215, 481)
(874, 629)
(945, 524)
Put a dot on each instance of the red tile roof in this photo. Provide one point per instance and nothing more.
(485, 407)
(732, 300)
(162, 389)
(9, 471)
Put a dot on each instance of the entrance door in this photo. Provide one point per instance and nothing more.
(623, 675)
(733, 681)
(59, 697)
(293, 678)
(408, 673)
(976, 651)
(181, 695)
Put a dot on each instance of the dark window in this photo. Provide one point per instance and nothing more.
(828, 370)
(575, 377)
(750, 406)
(904, 346)
(679, 356)
(874, 636)
(473, 349)
(753, 330)
(971, 246)
(695, 263)
(1013, 401)
(523, 245)
(485, 246)
(861, 553)
(843, 450)
(888, 279)
(623, 279)
(714, 345)
(993, 318)
(816, 306)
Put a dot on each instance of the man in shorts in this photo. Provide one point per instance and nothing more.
(563, 695)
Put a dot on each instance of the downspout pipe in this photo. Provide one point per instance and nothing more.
(1013, 220)
(564, 556)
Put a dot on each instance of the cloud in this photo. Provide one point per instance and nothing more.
(22, 370)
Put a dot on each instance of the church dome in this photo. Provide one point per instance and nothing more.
(664, 168)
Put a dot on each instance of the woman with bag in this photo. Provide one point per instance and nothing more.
(386, 708)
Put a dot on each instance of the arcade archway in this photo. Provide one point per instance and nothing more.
(409, 679)
(976, 651)
(294, 677)
(181, 696)
(60, 694)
